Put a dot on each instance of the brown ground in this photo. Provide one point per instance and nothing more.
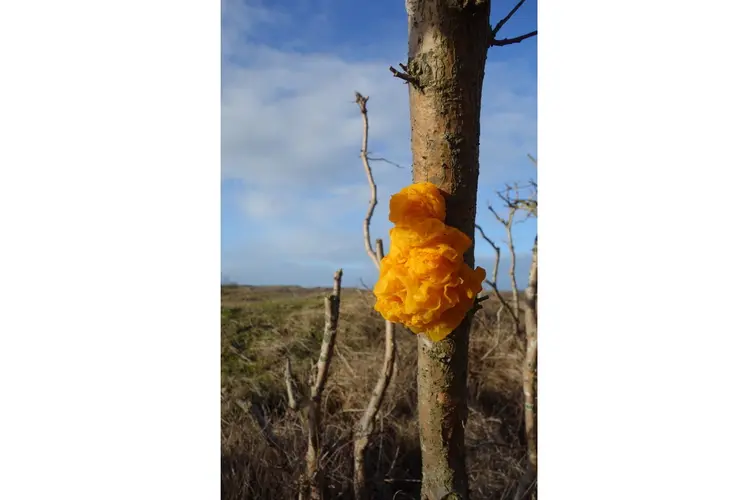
(261, 325)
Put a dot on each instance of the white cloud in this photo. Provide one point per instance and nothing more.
(291, 133)
(291, 118)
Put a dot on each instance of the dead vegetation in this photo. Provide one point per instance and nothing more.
(265, 443)
(316, 404)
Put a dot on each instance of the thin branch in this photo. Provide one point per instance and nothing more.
(386, 161)
(504, 306)
(366, 424)
(405, 76)
(512, 267)
(265, 428)
(346, 363)
(291, 398)
(509, 41)
(329, 336)
(362, 102)
(364, 428)
(517, 202)
(379, 249)
(531, 289)
(508, 224)
(313, 482)
(504, 20)
(499, 219)
(498, 330)
(497, 252)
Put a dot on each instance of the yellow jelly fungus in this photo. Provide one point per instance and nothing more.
(424, 282)
(417, 202)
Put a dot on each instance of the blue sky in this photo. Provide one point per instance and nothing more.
(294, 192)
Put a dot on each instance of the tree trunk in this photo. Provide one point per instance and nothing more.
(529, 375)
(529, 372)
(448, 42)
(526, 485)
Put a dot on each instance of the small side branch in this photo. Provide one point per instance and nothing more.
(362, 102)
(404, 75)
(510, 41)
(504, 306)
(493, 283)
(389, 162)
(288, 380)
(504, 20)
(508, 224)
(265, 427)
(494, 247)
(494, 42)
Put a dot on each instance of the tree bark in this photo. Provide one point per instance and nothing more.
(448, 42)
(529, 375)
(526, 484)
(530, 364)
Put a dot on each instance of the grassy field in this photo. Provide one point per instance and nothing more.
(264, 443)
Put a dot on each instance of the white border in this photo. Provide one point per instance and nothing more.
(109, 362)
(642, 171)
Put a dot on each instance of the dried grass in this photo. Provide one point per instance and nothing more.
(260, 326)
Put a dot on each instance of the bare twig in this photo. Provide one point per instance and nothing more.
(365, 426)
(291, 398)
(498, 331)
(364, 285)
(405, 76)
(497, 252)
(329, 337)
(346, 363)
(386, 161)
(494, 42)
(265, 428)
(362, 102)
(379, 252)
(508, 224)
(509, 41)
(504, 306)
(366, 423)
(512, 267)
(529, 204)
(312, 481)
(493, 283)
(504, 20)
